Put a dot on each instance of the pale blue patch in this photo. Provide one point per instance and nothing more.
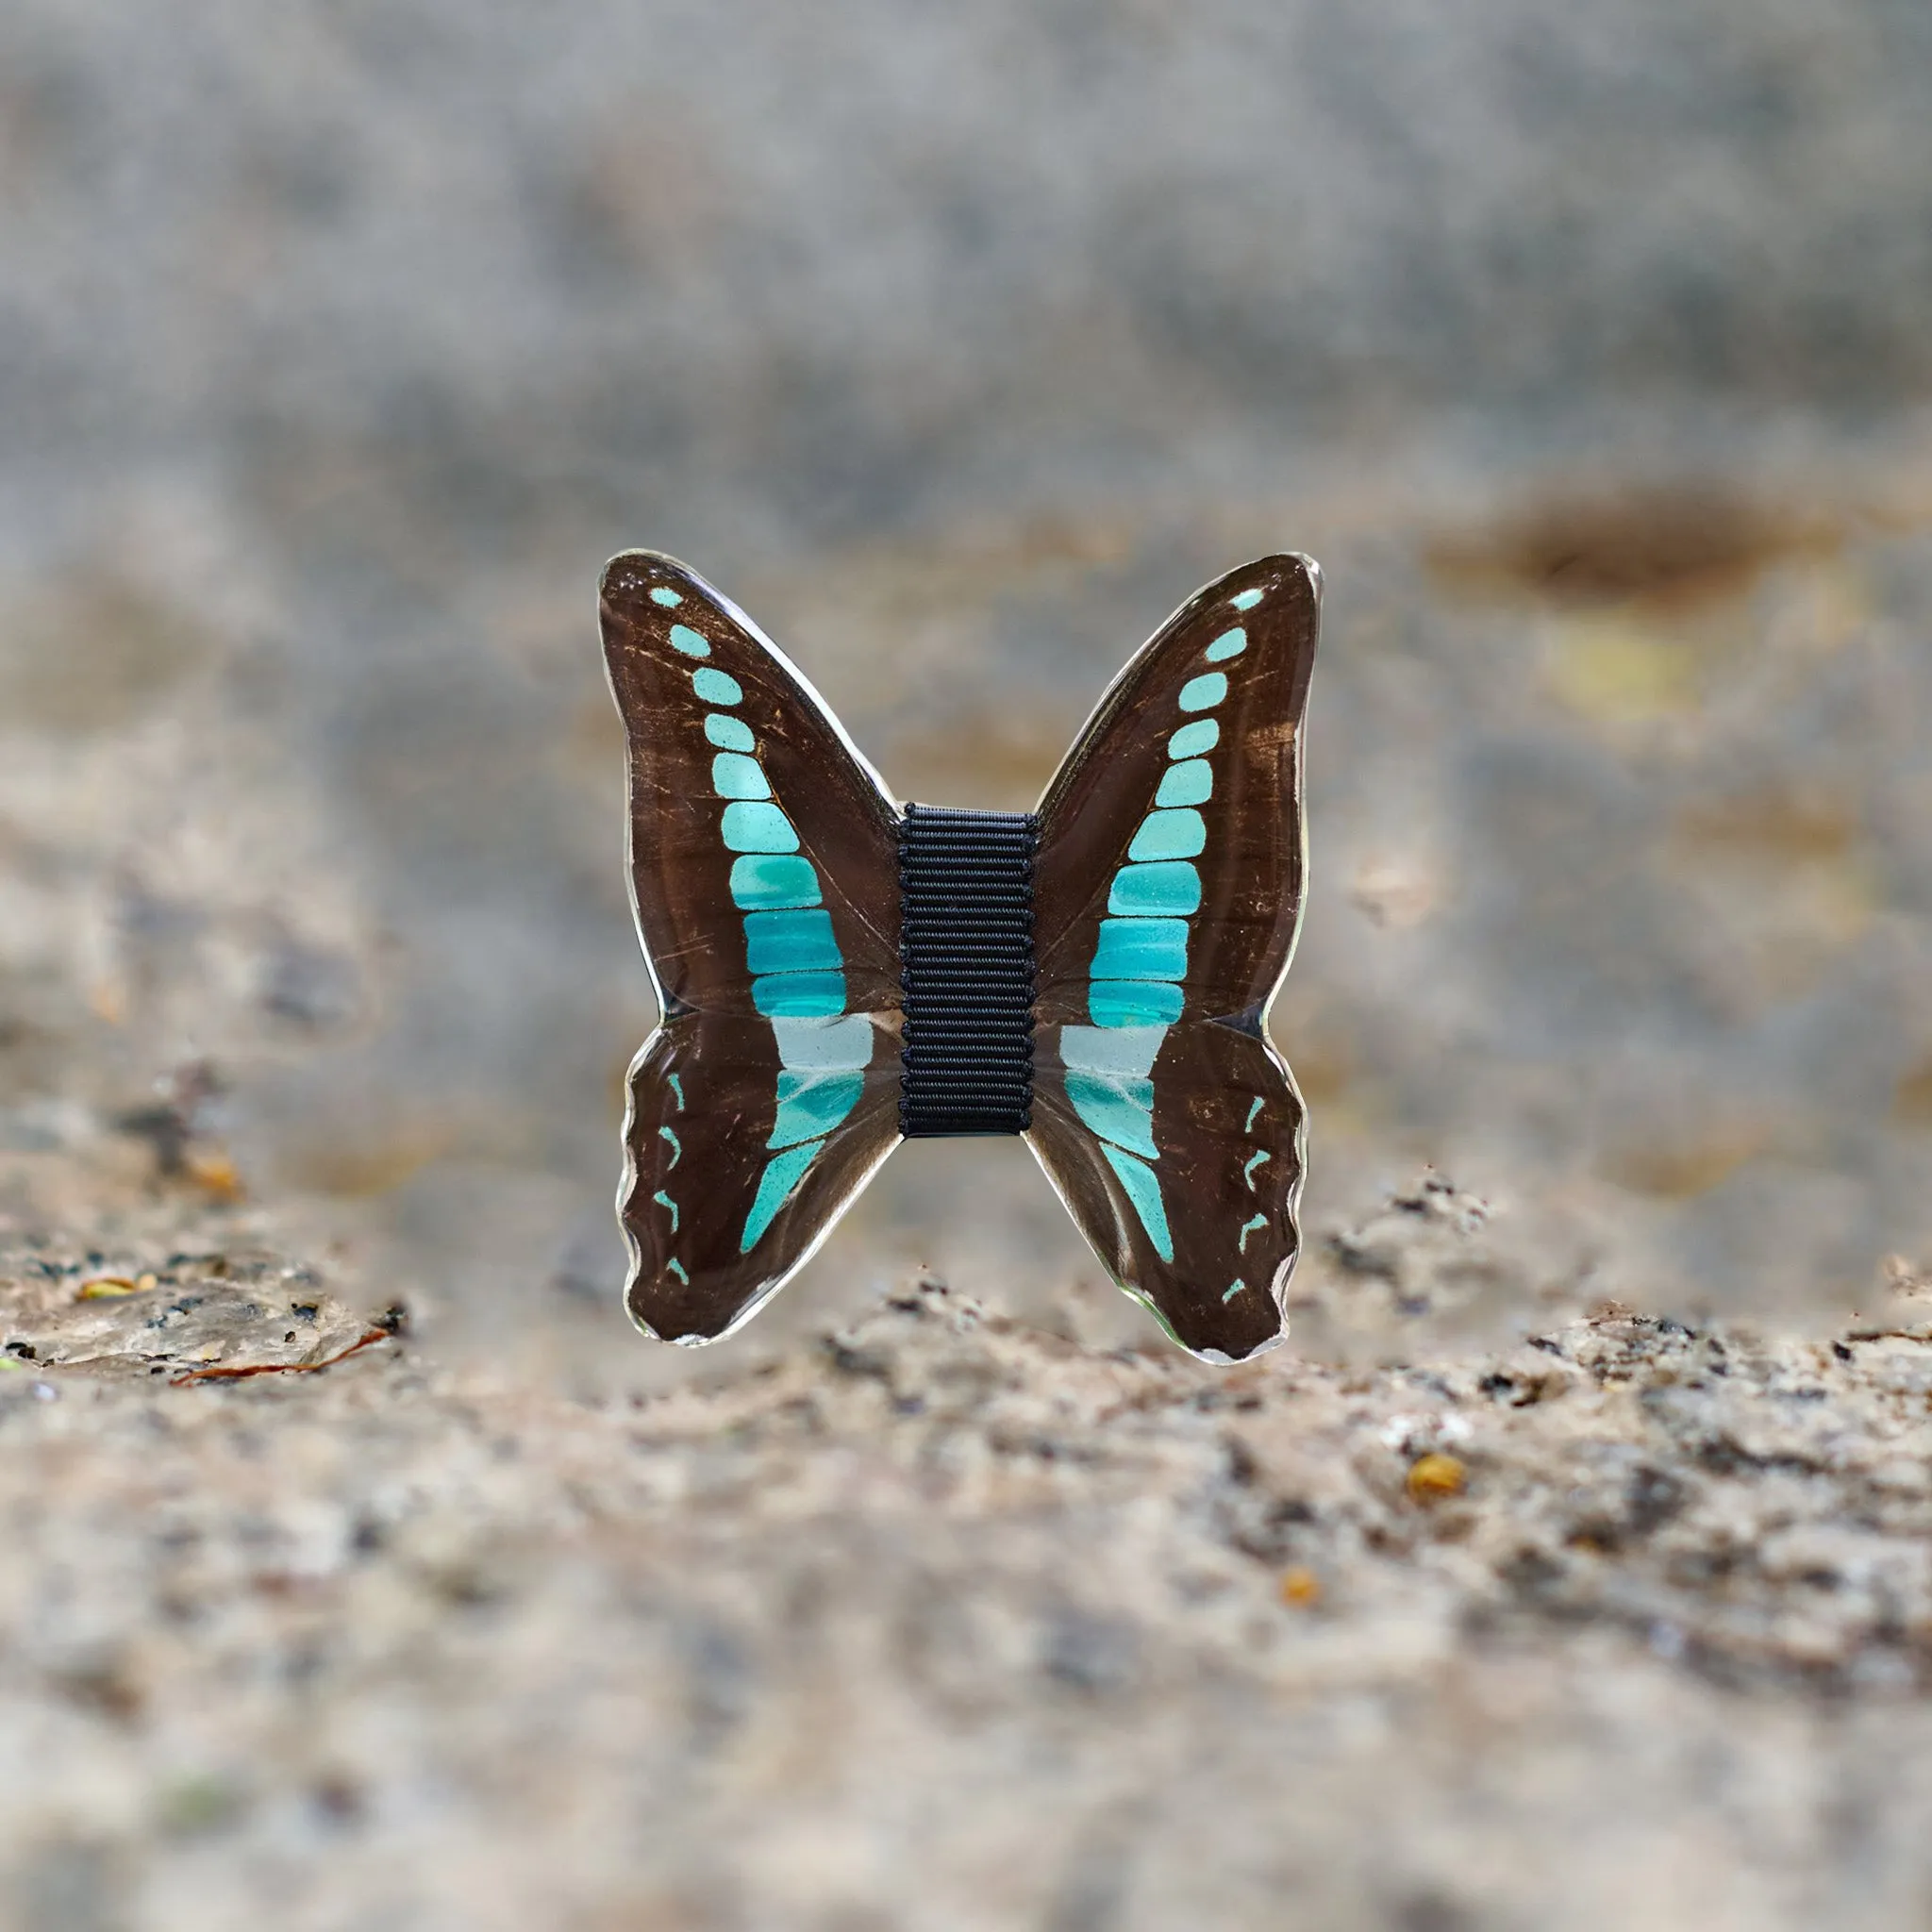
(734, 775)
(770, 881)
(812, 1105)
(1253, 1161)
(824, 1044)
(677, 1087)
(677, 1267)
(1229, 1293)
(1199, 694)
(1133, 1002)
(1245, 600)
(783, 1172)
(669, 599)
(1191, 740)
(1230, 644)
(1190, 782)
(1143, 1190)
(799, 995)
(664, 1200)
(688, 641)
(756, 828)
(1141, 949)
(1248, 1124)
(729, 734)
(1125, 1052)
(1169, 834)
(1118, 1110)
(795, 940)
(716, 686)
(1249, 1227)
(1169, 889)
(676, 1146)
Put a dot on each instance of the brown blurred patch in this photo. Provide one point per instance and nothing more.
(1669, 545)
(361, 1167)
(1680, 1168)
(1770, 827)
(95, 655)
(994, 762)
(1911, 1099)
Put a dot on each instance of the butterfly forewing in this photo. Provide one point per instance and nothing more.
(1168, 893)
(764, 874)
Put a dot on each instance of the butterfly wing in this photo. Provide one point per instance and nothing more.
(1167, 895)
(763, 869)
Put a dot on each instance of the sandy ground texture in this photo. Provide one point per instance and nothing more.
(939, 1620)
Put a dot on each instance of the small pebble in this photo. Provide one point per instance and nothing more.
(1301, 1588)
(1434, 1476)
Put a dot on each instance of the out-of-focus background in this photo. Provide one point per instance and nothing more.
(341, 343)
(1572, 1568)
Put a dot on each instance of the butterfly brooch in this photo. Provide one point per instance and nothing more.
(837, 973)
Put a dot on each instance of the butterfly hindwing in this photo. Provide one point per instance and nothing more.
(1191, 1202)
(764, 875)
(1167, 891)
(717, 1216)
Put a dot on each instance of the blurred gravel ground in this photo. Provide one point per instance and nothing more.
(340, 344)
(943, 1620)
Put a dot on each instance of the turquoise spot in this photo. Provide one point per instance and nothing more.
(1253, 1161)
(1247, 600)
(782, 1173)
(685, 639)
(1141, 949)
(734, 775)
(1143, 1190)
(792, 941)
(678, 1267)
(1198, 695)
(1230, 644)
(718, 687)
(676, 1086)
(729, 734)
(1171, 888)
(1118, 1110)
(1229, 1293)
(1120, 1052)
(1190, 782)
(676, 1146)
(766, 881)
(1248, 1124)
(812, 1105)
(757, 828)
(668, 598)
(1133, 1002)
(824, 1042)
(1248, 1228)
(1170, 835)
(1191, 740)
(664, 1200)
(799, 995)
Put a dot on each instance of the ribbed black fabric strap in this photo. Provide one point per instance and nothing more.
(966, 968)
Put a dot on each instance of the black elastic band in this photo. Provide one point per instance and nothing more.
(966, 969)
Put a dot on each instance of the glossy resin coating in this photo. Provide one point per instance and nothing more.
(1166, 893)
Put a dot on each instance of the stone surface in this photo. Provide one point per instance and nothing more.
(941, 1620)
(341, 343)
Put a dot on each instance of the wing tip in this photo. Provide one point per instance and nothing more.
(632, 573)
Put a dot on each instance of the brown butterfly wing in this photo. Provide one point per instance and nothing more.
(1231, 1133)
(697, 1168)
(1168, 895)
(764, 874)
(1251, 871)
(681, 869)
